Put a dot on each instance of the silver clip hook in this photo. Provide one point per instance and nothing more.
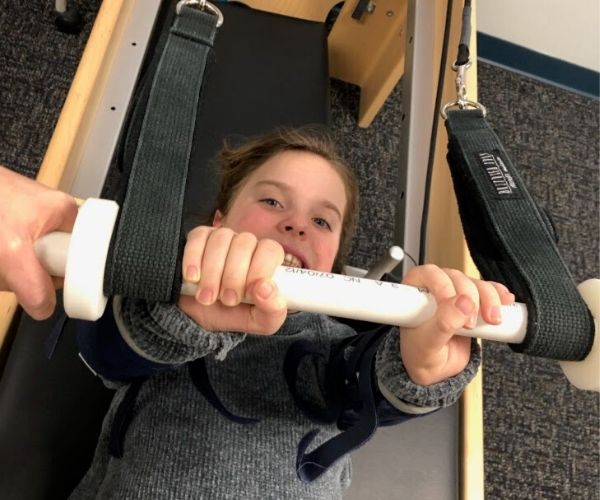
(461, 102)
(201, 5)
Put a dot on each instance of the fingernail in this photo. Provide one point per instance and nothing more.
(472, 323)
(229, 297)
(496, 314)
(264, 290)
(465, 305)
(192, 273)
(205, 297)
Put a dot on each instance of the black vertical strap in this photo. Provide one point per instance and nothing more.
(145, 251)
(510, 241)
(462, 57)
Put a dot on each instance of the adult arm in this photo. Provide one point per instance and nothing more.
(29, 210)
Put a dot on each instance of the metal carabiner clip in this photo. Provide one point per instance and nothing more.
(461, 101)
(201, 5)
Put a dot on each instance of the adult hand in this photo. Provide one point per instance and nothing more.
(230, 268)
(29, 210)
(432, 352)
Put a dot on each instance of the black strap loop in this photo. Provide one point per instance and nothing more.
(146, 248)
(510, 242)
(199, 375)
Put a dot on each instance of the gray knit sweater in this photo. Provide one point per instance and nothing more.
(178, 446)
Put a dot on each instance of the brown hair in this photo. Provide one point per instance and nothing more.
(236, 163)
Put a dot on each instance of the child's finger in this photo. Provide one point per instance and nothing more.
(212, 265)
(463, 285)
(450, 316)
(193, 251)
(434, 279)
(489, 297)
(269, 310)
(444, 284)
(506, 296)
(268, 255)
(243, 318)
(237, 264)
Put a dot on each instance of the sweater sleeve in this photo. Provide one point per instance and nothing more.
(164, 334)
(135, 340)
(402, 393)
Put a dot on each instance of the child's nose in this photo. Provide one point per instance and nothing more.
(289, 228)
(296, 225)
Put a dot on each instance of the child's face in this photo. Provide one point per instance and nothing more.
(297, 199)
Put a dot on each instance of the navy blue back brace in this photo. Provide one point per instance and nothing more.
(511, 242)
(352, 400)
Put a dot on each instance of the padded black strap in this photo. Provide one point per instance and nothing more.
(146, 249)
(511, 243)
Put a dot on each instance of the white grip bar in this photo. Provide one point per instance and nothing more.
(377, 301)
(81, 256)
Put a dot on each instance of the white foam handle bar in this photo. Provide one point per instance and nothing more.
(585, 374)
(304, 290)
(81, 257)
(378, 301)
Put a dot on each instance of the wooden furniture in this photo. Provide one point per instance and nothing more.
(368, 52)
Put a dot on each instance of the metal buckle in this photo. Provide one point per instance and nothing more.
(461, 102)
(201, 5)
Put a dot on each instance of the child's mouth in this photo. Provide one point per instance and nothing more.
(292, 261)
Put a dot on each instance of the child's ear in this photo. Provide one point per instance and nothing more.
(218, 219)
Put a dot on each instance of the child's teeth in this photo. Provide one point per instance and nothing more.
(291, 261)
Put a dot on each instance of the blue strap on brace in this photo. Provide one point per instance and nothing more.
(199, 375)
(122, 419)
(353, 400)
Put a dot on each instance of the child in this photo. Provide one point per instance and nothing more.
(216, 418)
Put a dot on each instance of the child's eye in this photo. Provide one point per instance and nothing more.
(271, 202)
(322, 223)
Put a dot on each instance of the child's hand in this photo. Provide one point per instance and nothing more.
(228, 268)
(431, 352)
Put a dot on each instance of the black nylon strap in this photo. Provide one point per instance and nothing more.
(354, 389)
(146, 248)
(511, 243)
(199, 375)
(310, 466)
(122, 419)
